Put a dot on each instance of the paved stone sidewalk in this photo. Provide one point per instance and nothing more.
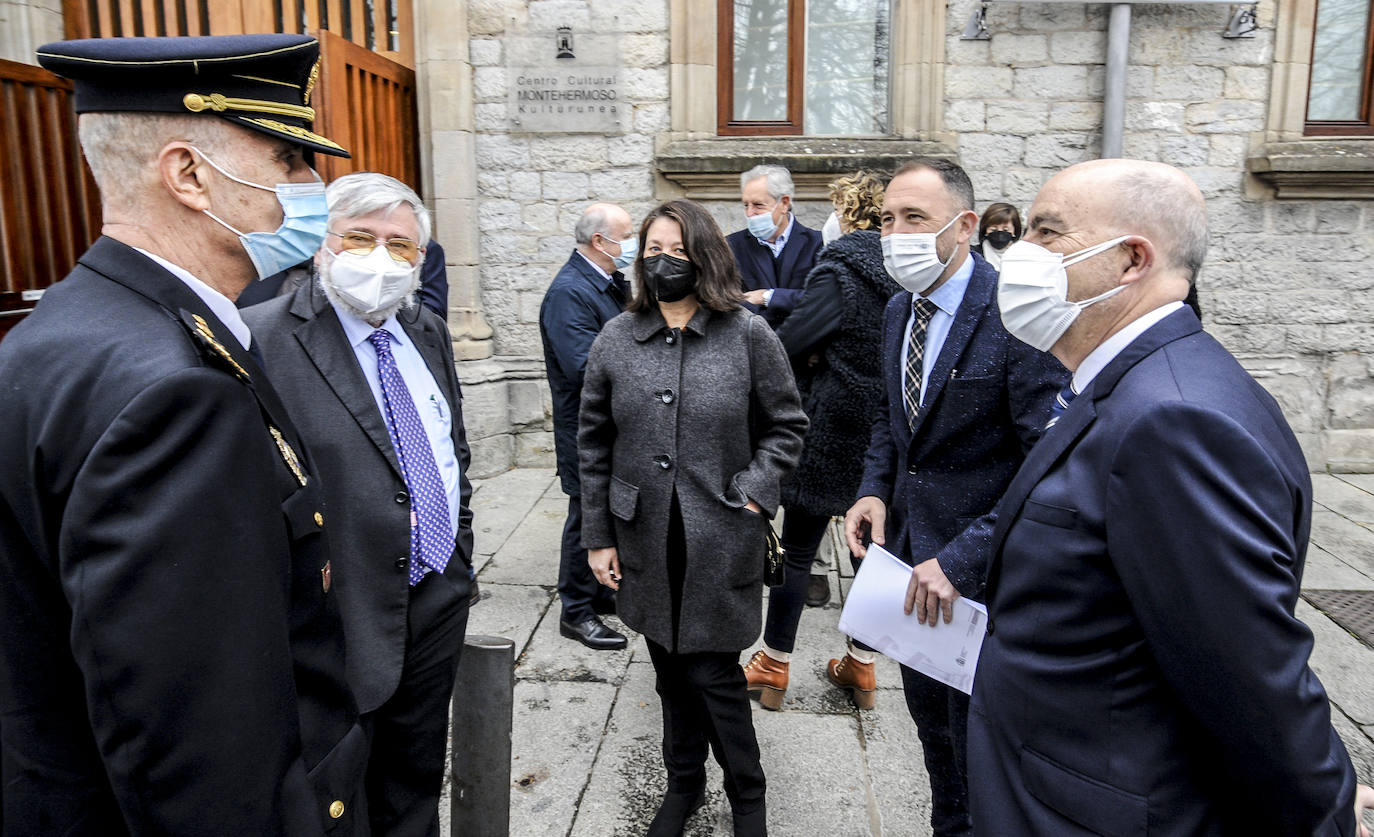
(587, 728)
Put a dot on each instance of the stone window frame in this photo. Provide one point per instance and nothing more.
(694, 161)
(1292, 163)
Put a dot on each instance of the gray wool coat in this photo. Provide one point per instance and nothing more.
(664, 411)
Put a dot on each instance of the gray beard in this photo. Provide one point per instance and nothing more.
(375, 318)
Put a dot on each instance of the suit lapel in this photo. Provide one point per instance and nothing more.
(966, 319)
(791, 250)
(763, 263)
(327, 346)
(1074, 421)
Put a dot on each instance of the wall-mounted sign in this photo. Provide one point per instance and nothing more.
(561, 91)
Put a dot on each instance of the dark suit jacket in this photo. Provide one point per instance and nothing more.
(170, 662)
(756, 267)
(1143, 670)
(317, 373)
(576, 306)
(988, 398)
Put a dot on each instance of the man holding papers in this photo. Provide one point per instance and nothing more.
(961, 403)
(1143, 671)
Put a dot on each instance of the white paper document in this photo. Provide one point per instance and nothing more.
(873, 615)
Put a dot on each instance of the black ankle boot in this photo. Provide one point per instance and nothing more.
(677, 807)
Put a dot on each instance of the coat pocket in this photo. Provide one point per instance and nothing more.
(624, 499)
(1064, 518)
(1095, 805)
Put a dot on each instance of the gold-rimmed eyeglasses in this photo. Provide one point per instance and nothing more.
(361, 243)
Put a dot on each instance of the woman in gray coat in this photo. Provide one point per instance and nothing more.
(690, 419)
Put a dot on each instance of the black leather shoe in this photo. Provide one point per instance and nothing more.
(818, 591)
(674, 812)
(593, 634)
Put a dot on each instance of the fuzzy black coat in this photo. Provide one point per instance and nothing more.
(840, 379)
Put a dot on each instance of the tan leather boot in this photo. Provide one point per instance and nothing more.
(768, 677)
(859, 678)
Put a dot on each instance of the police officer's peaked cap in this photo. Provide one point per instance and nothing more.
(262, 82)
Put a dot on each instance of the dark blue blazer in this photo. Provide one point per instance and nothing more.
(578, 303)
(1143, 671)
(755, 262)
(988, 397)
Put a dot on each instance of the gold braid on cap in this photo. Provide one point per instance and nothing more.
(197, 102)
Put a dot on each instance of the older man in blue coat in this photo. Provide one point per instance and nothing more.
(1143, 671)
(587, 292)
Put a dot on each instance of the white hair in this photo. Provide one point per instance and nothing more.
(122, 148)
(777, 179)
(596, 219)
(1147, 198)
(366, 192)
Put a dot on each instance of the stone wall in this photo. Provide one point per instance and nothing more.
(1285, 286)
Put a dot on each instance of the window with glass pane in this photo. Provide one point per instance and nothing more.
(1339, 96)
(814, 67)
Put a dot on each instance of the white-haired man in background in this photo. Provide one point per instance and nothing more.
(368, 374)
(774, 251)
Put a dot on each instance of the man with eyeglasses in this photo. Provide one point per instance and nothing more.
(368, 374)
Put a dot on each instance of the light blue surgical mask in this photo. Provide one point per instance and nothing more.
(629, 248)
(761, 226)
(305, 220)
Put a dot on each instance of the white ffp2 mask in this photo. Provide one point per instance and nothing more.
(1033, 290)
(911, 259)
(369, 283)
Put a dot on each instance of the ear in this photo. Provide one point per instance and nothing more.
(785, 202)
(966, 226)
(183, 176)
(1141, 259)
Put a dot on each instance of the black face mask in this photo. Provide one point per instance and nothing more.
(668, 279)
(999, 239)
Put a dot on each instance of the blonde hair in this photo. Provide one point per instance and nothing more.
(858, 201)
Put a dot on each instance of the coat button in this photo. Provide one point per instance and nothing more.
(336, 809)
(402, 563)
(402, 497)
(992, 629)
(663, 462)
(670, 339)
(667, 396)
(319, 519)
(911, 470)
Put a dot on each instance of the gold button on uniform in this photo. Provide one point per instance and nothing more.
(319, 519)
(336, 808)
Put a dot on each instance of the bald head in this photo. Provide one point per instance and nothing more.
(605, 219)
(1145, 198)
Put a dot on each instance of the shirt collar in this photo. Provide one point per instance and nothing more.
(948, 296)
(357, 330)
(1098, 358)
(599, 270)
(219, 304)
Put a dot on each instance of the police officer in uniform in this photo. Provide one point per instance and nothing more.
(171, 657)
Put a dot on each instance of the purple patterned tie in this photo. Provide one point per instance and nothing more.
(431, 536)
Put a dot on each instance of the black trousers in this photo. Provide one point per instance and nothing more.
(705, 702)
(409, 733)
(577, 587)
(801, 540)
(941, 716)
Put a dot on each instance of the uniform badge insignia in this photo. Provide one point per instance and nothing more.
(326, 577)
(207, 338)
(288, 455)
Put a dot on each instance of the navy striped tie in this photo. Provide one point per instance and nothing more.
(1061, 403)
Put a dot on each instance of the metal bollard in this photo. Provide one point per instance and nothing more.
(483, 701)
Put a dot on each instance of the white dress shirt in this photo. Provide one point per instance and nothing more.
(946, 299)
(1098, 358)
(219, 304)
(435, 412)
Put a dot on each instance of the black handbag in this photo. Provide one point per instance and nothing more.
(773, 565)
